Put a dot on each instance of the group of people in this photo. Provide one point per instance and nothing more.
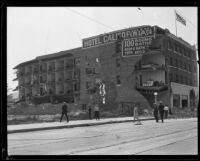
(96, 112)
(160, 110)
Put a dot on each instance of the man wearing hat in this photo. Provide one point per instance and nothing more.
(155, 112)
(64, 111)
(161, 110)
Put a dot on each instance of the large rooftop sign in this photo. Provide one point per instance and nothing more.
(136, 46)
(134, 39)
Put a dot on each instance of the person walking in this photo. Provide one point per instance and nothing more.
(166, 110)
(161, 111)
(155, 112)
(96, 112)
(64, 111)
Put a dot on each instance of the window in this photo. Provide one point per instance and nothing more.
(41, 79)
(90, 70)
(77, 73)
(175, 47)
(194, 69)
(189, 67)
(181, 79)
(171, 77)
(169, 45)
(185, 66)
(176, 62)
(191, 81)
(84, 107)
(118, 62)
(77, 61)
(40, 67)
(184, 51)
(171, 61)
(88, 85)
(177, 78)
(186, 80)
(180, 49)
(77, 86)
(118, 79)
(189, 54)
(181, 64)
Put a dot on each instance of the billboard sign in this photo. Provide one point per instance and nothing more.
(131, 33)
(136, 46)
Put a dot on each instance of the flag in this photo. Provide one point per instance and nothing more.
(180, 19)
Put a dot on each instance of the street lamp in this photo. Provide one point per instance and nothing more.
(155, 94)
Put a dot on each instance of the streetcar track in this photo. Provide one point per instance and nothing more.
(128, 141)
(165, 145)
(140, 134)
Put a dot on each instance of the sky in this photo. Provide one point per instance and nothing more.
(36, 31)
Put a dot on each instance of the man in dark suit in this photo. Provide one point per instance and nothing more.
(155, 112)
(161, 111)
(64, 111)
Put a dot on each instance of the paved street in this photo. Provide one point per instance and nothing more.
(172, 137)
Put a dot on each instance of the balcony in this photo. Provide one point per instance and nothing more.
(150, 67)
(28, 84)
(59, 69)
(68, 80)
(60, 80)
(90, 71)
(69, 92)
(51, 69)
(51, 82)
(69, 67)
(21, 74)
(35, 71)
(43, 70)
(152, 87)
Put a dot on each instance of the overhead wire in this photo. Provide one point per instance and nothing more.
(89, 18)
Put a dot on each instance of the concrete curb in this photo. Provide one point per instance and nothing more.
(71, 126)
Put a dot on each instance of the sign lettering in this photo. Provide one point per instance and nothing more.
(131, 33)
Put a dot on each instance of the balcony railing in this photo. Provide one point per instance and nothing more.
(68, 79)
(68, 67)
(60, 81)
(152, 88)
(35, 71)
(28, 84)
(151, 67)
(60, 69)
(51, 70)
(69, 92)
(51, 82)
(43, 70)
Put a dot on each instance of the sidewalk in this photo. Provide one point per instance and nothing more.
(70, 124)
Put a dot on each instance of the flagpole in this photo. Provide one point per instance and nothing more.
(175, 22)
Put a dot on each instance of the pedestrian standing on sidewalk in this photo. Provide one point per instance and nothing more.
(90, 111)
(64, 111)
(161, 111)
(166, 110)
(155, 112)
(96, 112)
(135, 112)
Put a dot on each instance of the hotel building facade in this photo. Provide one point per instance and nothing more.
(133, 64)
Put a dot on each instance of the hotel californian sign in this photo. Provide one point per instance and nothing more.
(134, 40)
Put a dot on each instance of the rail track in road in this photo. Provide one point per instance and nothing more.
(103, 138)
